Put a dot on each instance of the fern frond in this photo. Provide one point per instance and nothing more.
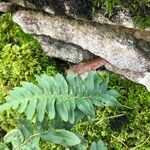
(27, 137)
(98, 146)
(57, 95)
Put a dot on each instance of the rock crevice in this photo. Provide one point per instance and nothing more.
(77, 39)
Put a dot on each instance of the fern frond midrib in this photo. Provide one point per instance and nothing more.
(66, 97)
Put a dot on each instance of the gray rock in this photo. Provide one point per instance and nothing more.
(29, 5)
(118, 48)
(64, 51)
(144, 35)
(5, 7)
(122, 18)
(138, 77)
(19, 2)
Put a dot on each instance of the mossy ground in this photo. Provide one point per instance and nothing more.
(124, 128)
(132, 132)
(129, 131)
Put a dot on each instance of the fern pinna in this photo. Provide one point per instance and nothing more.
(56, 95)
(58, 100)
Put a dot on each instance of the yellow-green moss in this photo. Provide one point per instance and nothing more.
(21, 57)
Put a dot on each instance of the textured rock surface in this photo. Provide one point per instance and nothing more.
(122, 18)
(76, 39)
(25, 4)
(64, 51)
(139, 77)
(5, 7)
(120, 49)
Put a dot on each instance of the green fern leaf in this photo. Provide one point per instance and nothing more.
(30, 110)
(26, 128)
(47, 84)
(103, 86)
(62, 109)
(3, 146)
(57, 95)
(113, 93)
(40, 110)
(15, 137)
(110, 100)
(98, 146)
(23, 106)
(97, 101)
(90, 81)
(18, 141)
(80, 86)
(96, 84)
(60, 136)
(72, 83)
(63, 86)
(86, 107)
(71, 113)
(51, 107)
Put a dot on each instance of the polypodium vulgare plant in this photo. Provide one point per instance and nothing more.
(53, 106)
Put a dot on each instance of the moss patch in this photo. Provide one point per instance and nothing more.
(21, 57)
(122, 133)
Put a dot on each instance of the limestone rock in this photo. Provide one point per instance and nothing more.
(5, 7)
(26, 4)
(62, 50)
(120, 49)
(139, 77)
(122, 18)
(19, 2)
(144, 35)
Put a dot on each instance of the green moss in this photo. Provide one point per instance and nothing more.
(135, 131)
(48, 146)
(21, 57)
(139, 10)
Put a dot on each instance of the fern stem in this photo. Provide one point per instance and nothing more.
(111, 117)
(32, 136)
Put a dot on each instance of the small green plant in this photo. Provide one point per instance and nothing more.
(134, 132)
(139, 10)
(53, 106)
